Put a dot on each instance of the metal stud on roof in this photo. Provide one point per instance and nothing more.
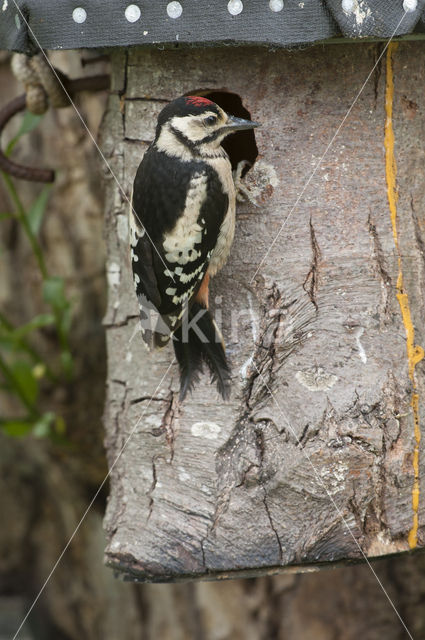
(72, 24)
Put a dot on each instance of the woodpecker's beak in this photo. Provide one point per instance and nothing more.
(238, 124)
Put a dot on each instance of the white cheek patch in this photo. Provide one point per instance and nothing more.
(192, 128)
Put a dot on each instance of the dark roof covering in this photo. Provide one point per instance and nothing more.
(72, 24)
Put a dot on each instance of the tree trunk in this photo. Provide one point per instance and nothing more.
(45, 486)
(316, 456)
(45, 489)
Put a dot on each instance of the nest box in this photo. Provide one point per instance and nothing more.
(317, 456)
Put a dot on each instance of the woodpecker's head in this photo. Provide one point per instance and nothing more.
(195, 125)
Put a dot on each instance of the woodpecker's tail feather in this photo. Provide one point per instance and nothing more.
(197, 342)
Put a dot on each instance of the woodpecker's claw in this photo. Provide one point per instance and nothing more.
(243, 192)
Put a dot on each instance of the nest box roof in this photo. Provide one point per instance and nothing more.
(71, 24)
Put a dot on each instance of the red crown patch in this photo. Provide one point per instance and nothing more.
(198, 101)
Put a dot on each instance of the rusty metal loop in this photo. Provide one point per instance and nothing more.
(34, 174)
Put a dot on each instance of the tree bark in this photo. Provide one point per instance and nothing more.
(45, 486)
(313, 458)
(45, 489)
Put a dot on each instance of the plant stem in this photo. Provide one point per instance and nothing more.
(9, 376)
(28, 348)
(38, 254)
(22, 217)
(3, 420)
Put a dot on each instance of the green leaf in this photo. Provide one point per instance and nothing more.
(6, 216)
(23, 376)
(66, 320)
(60, 426)
(54, 293)
(38, 209)
(42, 320)
(6, 341)
(28, 123)
(14, 338)
(16, 428)
(67, 363)
(43, 427)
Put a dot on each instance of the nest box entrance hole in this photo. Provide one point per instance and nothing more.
(241, 145)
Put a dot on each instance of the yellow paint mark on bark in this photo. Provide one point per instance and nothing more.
(415, 353)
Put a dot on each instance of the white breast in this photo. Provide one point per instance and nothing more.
(180, 244)
(227, 230)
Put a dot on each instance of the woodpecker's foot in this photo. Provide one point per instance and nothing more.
(243, 192)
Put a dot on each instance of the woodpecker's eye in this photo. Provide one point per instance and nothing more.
(210, 120)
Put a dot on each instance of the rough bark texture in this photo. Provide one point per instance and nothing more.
(45, 490)
(313, 457)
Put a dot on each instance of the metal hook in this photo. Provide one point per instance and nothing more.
(34, 174)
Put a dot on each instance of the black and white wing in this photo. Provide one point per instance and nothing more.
(178, 209)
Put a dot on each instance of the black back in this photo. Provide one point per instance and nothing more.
(160, 190)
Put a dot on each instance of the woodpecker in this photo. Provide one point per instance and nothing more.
(182, 223)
